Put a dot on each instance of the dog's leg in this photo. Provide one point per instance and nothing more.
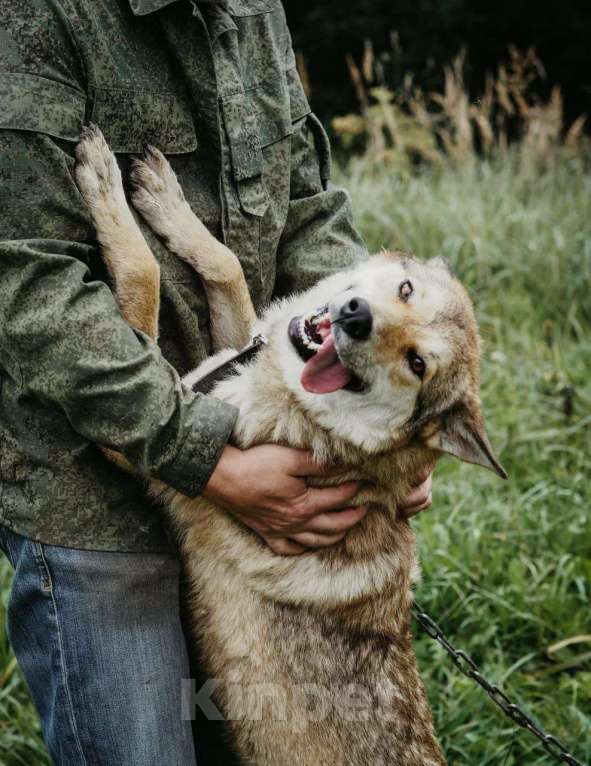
(130, 262)
(160, 199)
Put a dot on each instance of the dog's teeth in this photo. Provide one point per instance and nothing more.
(302, 331)
(306, 322)
(316, 319)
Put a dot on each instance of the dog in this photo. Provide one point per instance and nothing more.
(376, 371)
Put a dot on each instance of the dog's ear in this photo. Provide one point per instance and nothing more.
(462, 434)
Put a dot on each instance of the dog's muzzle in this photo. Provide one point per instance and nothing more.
(312, 337)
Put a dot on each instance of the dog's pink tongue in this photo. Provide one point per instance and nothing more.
(324, 373)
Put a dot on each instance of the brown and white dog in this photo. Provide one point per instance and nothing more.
(376, 370)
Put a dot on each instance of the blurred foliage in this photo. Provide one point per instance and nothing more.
(400, 128)
(431, 34)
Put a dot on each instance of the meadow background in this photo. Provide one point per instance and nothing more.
(499, 183)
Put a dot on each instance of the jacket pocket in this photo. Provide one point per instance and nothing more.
(246, 156)
(40, 105)
(130, 119)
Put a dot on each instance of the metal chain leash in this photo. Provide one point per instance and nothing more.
(469, 668)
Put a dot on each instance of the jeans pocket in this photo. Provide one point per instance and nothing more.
(44, 573)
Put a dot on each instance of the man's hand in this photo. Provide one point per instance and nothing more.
(265, 488)
(419, 499)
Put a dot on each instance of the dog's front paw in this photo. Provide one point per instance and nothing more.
(97, 173)
(157, 195)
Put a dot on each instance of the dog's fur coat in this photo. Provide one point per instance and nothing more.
(311, 654)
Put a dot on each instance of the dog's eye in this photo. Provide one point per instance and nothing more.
(416, 364)
(405, 290)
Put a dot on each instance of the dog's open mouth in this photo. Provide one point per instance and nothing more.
(312, 337)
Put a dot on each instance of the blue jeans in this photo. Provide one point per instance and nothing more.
(98, 636)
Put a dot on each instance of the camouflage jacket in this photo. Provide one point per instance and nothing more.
(214, 85)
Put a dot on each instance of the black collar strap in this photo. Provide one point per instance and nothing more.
(207, 382)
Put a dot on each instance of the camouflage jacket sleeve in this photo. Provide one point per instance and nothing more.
(319, 237)
(62, 338)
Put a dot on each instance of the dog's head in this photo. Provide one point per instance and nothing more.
(388, 354)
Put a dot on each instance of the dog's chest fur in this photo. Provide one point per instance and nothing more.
(305, 688)
(312, 653)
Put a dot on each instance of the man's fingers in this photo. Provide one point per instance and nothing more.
(408, 512)
(304, 465)
(321, 499)
(311, 540)
(418, 496)
(335, 522)
(283, 546)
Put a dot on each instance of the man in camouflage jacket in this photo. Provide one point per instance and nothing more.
(93, 615)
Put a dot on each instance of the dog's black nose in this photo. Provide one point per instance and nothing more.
(355, 318)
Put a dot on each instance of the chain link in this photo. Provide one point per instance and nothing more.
(469, 668)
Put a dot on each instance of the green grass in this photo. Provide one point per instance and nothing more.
(20, 741)
(506, 566)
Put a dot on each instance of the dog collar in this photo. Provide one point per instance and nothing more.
(205, 384)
